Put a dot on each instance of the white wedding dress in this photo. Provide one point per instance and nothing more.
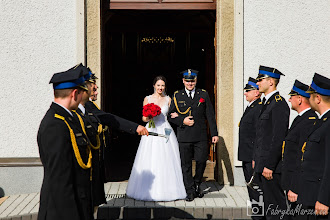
(156, 174)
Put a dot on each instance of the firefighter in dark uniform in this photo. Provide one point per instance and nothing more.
(297, 135)
(193, 107)
(271, 130)
(94, 130)
(109, 122)
(65, 153)
(247, 133)
(314, 183)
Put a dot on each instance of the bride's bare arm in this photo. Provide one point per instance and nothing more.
(145, 101)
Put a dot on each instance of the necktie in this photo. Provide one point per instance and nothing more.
(263, 105)
(190, 95)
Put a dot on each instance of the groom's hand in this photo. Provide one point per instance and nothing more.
(189, 121)
(141, 130)
(215, 139)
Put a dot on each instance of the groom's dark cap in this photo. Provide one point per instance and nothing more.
(189, 74)
(299, 88)
(320, 85)
(251, 85)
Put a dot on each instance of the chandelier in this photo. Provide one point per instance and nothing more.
(157, 40)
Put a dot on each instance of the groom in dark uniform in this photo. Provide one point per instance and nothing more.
(193, 107)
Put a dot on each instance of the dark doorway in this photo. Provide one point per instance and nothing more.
(139, 45)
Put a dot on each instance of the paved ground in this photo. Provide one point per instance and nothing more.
(219, 202)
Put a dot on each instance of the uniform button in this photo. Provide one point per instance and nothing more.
(319, 179)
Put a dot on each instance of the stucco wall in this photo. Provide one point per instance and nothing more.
(292, 36)
(38, 38)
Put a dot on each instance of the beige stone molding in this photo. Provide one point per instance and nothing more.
(225, 93)
(20, 162)
(93, 37)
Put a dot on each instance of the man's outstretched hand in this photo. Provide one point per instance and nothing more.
(141, 130)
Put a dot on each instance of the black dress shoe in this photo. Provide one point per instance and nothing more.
(198, 191)
(190, 197)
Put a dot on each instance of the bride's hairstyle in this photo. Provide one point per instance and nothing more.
(160, 78)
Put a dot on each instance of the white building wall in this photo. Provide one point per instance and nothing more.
(292, 36)
(37, 39)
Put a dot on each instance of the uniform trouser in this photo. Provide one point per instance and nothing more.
(253, 194)
(311, 216)
(199, 152)
(273, 196)
(98, 193)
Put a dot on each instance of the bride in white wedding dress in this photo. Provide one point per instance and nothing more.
(156, 174)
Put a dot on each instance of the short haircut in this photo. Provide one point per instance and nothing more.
(62, 93)
(325, 98)
(306, 100)
(276, 81)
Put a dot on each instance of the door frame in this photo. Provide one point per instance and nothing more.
(224, 74)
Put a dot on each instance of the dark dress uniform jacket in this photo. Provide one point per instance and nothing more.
(111, 120)
(91, 123)
(315, 166)
(294, 141)
(272, 128)
(65, 192)
(247, 131)
(202, 112)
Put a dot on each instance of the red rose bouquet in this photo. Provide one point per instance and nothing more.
(151, 110)
(201, 100)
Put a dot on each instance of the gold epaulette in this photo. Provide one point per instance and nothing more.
(312, 118)
(75, 146)
(278, 98)
(203, 90)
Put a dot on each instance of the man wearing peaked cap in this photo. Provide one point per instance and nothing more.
(64, 153)
(294, 140)
(193, 107)
(272, 126)
(94, 131)
(109, 121)
(93, 79)
(247, 133)
(315, 176)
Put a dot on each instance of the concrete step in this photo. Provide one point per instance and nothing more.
(219, 202)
